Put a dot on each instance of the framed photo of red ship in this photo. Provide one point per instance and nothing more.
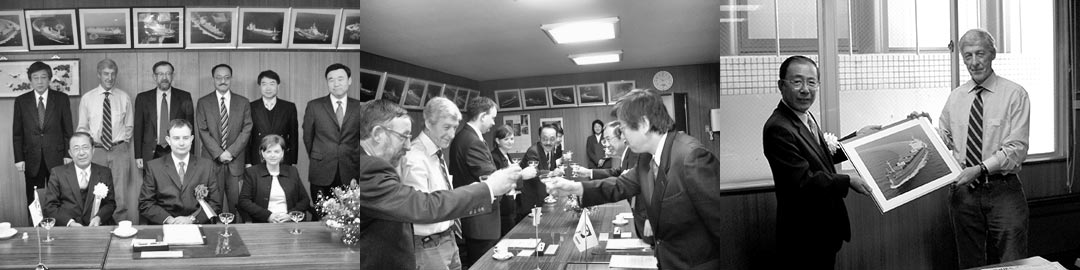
(211, 28)
(902, 162)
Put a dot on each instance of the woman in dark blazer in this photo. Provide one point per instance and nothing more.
(504, 139)
(594, 149)
(272, 189)
(279, 119)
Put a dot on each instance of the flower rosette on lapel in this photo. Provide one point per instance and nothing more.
(100, 191)
(200, 195)
(831, 142)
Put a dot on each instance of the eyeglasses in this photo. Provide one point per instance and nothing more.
(798, 83)
(222, 77)
(400, 135)
(548, 139)
(159, 74)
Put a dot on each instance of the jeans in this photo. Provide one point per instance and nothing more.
(991, 221)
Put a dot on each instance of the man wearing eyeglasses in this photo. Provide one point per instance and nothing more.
(331, 132)
(224, 122)
(154, 109)
(812, 220)
(546, 153)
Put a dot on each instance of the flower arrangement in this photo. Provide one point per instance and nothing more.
(341, 212)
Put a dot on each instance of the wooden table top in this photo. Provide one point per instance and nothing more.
(73, 248)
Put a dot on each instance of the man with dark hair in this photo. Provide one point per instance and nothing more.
(271, 115)
(154, 109)
(615, 150)
(331, 132)
(812, 221)
(470, 159)
(224, 122)
(106, 113)
(546, 153)
(73, 188)
(674, 169)
(389, 206)
(40, 127)
(171, 182)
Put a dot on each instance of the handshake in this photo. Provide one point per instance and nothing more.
(505, 180)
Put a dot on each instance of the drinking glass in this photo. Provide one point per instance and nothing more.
(48, 223)
(296, 216)
(516, 160)
(226, 218)
(533, 163)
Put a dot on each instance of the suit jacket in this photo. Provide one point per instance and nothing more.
(255, 194)
(685, 204)
(264, 124)
(146, 126)
(49, 142)
(388, 208)
(64, 201)
(809, 193)
(501, 160)
(329, 144)
(628, 162)
(208, 123)
(470, 159)
(533, 191)
(594, 151)
(164, 195)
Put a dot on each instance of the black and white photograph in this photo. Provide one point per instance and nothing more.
(15, 81)
(158, 27)
(106, 28)
(264, 28)
(367, 84)
(12, 31)
(508, 100)
(591, 94)
(433, 90)
(462, 98)
(414, 94)
(618, 89)
(534, 98)
(562, 96)
(52, 29)
(315, 28)
(211, 28)
(351, 29)
(393, 88)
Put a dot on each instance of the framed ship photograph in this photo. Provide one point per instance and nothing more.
(618, 89)
(12, 31)
(433, 90)
(264, 28)
(210, 28)
(534, 98)
(591, 94)
(462, 98)
(350, 29)
(315, 28)
(158, 27)
(52, 29)
(902, 162)
(370, 82)
(393, 88)
(105, 28)
(508, 100)
(562, 96)
(65, 77)
(414, 94)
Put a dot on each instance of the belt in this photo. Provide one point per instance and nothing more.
(432, 237)
(98, 145)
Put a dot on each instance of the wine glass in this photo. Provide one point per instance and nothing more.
(48, 223)
(533, 163)
(226, 218)
(516, 160)
(296, 216)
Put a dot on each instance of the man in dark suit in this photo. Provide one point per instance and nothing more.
(224, 122)
(73, 188)
(470, 159)
(40, 127)
(169, 186)
(388, 207)
(273, 115)
(330, 132)
(615, 151)
(812, 221)
(154, 109)
(682, 198)
(546, 153)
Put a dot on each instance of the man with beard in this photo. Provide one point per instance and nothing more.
(154, 109)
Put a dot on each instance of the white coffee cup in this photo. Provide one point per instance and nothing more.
(5, 226)
(125, 224)
(620, 219)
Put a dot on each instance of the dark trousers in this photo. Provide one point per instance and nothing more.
(39, 181)
(325, 191)
(508, 216)
(812, 254)
(991, 221)
(229, 186)
(476, 248)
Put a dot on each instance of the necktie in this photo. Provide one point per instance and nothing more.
(813, 126)
(456, 228)
(647, 183)
(163, 119)
(106, 124)
(340, 113)
(974, 141)
(182, 171)
(41, 112)
(84, 180)
(224, 123)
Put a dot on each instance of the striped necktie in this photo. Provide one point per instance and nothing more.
(106, 124)
(224, 123)
(975, 124)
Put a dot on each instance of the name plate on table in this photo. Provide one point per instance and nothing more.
(633, 262)
(218, 246)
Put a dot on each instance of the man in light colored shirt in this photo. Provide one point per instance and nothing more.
(424, 168)
(106, 113)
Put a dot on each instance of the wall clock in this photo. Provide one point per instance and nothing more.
(663, 80)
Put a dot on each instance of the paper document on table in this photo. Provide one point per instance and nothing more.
(519, 243)
(621, 244)
(1045, 266)
(182, 234)
(633, 261)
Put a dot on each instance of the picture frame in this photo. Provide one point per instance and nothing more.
(618, 89)
(351, 24)
(13, 31)
(413, 98)
(508, 100)
(462, 98)
(65, 77)
(450, 92)
(902, 162)
(157, 27)
(264, 28)
(562, 96)
(105, 28)
(370, 82)
(52, 29)
(535, 98)
(591, 94)
(433, 90)
(393, 87)
(210, 28)
(315, 28)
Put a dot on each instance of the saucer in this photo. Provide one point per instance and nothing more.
(502, 256)
(617, 222)
(8, 234)
(125, 233)
(550, 200)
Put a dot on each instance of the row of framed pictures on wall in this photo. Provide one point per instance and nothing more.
(593, 94)
(411, 93)
(179, 27)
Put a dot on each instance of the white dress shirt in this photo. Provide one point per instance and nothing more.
(44, 98)
(344, 104)
(277, 202)
(90, 113)
(228, 100)
(421, 170)
(659, 151)
(177, 161)
(83, 175)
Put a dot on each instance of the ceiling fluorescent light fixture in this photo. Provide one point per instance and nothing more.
(596, 58)
(581, 31)
(739, 7)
